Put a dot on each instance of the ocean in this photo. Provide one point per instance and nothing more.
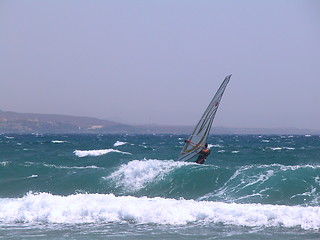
(131, 187)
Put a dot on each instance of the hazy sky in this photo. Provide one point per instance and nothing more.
(162, 61)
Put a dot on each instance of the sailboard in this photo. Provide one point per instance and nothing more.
(199, 136)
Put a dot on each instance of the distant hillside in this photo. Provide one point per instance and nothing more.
(12, 122)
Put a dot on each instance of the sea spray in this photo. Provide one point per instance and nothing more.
(97, 208)
(137, 174)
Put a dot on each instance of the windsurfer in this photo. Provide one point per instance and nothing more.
(203, 154)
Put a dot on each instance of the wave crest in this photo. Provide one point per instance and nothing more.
(89, 208)
(136, 174)
(95, 153)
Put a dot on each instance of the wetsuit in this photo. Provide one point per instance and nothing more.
(203, 154)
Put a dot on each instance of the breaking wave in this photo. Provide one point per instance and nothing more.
(136, 174)
(97, 208)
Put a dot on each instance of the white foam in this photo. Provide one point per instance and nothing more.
(66, 167)
(33, 176)
(58, 141)
(280, 148)
(260, 178)
(4, 163)
(99, 208)
(85, 153)
(289, 148)
(137, 174)
(248, 178)
(295, 167)
(8, 137)
(118, 143)
(276, 148)
(215, 145)
(61, 167)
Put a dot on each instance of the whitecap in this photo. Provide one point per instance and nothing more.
(33, 176)
(4, 163)
(137, 174)
(215, 145)
(69, 167)
(8, 137)
(58, 141)
(95, 153)
(280, 148)
(92, 208)
(276, 148)
(118, 143)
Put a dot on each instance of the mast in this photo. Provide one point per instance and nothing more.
(199, 136)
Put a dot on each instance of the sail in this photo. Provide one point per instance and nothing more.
(200, 134)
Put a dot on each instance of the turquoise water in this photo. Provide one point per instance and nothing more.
(131, 187)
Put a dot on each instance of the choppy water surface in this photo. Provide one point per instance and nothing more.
(131, 187)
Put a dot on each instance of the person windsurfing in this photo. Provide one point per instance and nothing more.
(203, 154)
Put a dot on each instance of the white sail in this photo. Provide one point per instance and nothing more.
(200, 134)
